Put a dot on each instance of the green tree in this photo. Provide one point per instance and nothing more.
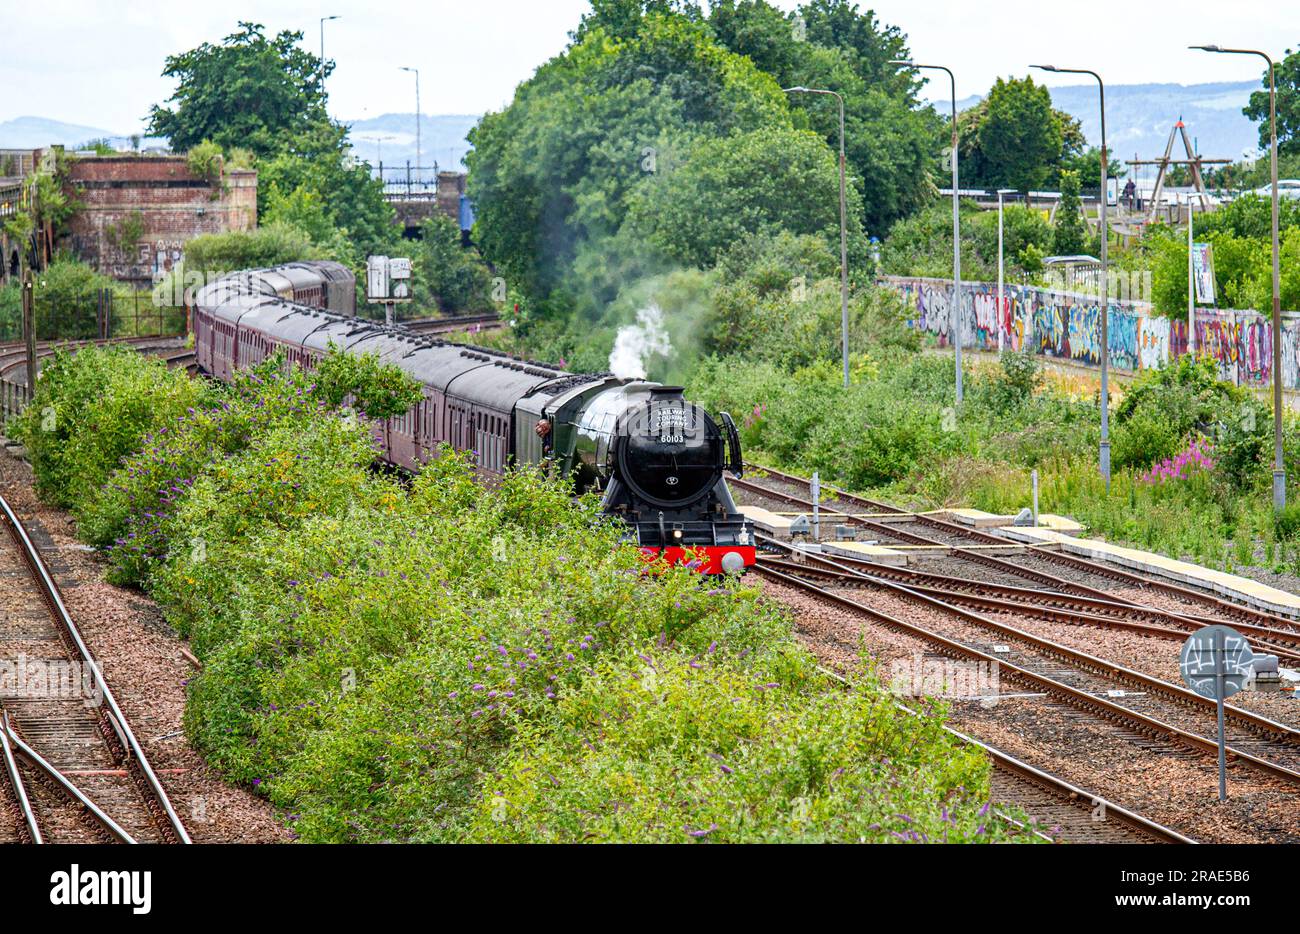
(447, 275)
(977, 171)
(1020, 136)
(830, 44)
(741, 184)
(1087, 165)
(318, 168)
(249, 91)
(1287, 77)
(1071, 234)
(251, 98)
(552, 174)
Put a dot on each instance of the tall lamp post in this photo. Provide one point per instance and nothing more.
(323, 21)
(844, 235)
(1191, 280)
(1104, 452)
(1279, 468)
(418, 164)
(1001, 270)
(954, 313)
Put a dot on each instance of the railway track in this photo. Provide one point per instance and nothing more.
(1054, 802)
(73, 770)
(890, 522)
(1065, 692)
(1050, 605)
(1259, 742)
(435, 325)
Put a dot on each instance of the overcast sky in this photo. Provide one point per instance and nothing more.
(97, 62)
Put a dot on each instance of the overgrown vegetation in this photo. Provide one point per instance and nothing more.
(386, 663)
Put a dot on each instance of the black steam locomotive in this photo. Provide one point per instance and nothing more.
(657, 458)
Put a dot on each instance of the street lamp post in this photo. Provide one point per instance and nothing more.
(1279, 469)
(1001, 271)
(1191, 281)
(418, 164)
(323, 21)
(844, 235)
(1104, 450)
(954, 313)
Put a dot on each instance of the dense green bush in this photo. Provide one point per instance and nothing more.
(93, 408)
(1189, 398)
(445, 274)
(896, 434)
(1143, 439)
(681, 749)
(921, 243)
(377, 390)
(269, 245)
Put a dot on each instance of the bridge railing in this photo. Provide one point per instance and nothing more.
(409, 182)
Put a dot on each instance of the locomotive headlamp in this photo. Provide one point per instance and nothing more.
(677, 533)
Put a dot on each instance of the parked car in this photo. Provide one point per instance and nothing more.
(1286, 188)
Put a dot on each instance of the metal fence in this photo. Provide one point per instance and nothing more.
(96, 315)
(409, 182)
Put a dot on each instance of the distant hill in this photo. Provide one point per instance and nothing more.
(1140, 116)
(442, 139)
(1138, 120)
(38, 132)
(35, 132)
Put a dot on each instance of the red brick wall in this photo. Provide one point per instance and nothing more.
(171, 204)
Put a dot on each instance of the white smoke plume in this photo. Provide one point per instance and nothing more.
(635, 343)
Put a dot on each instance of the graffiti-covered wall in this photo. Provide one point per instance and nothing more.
(1067, 325)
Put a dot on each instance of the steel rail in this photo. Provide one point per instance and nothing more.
(880, 528)
(446, 325)
(1093, 604)
(168, 820)
(1053, 784)
(814, 564)
(67, 787)
(1074, 696)
(29, 831)
(1099, 568)
(1249, 720)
